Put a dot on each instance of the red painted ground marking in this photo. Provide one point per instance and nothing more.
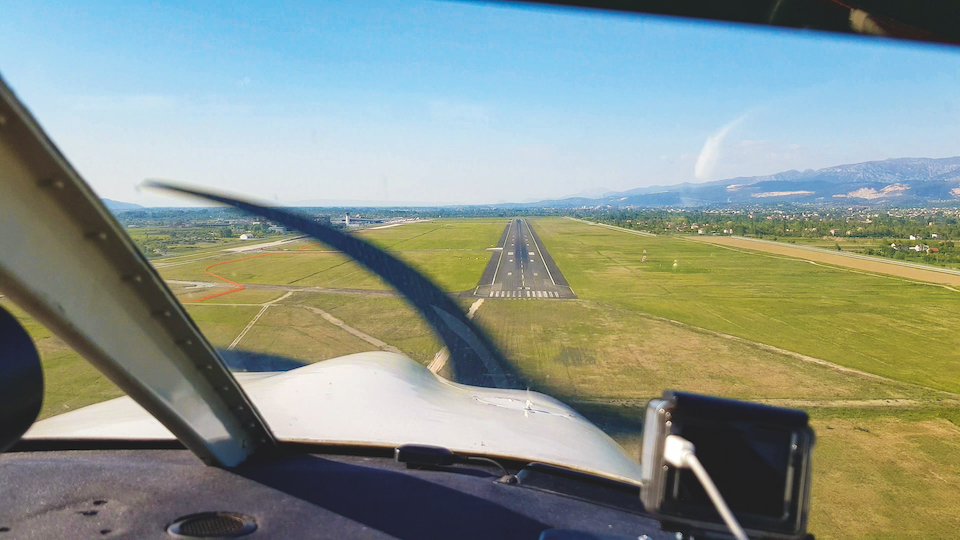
(238, 287)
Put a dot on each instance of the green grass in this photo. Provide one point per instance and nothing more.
(892, 327)
(459, 234)
(389, 319)
(221, 324)
(886, 463)
(69, 381)
(452, 270)
(297, 333)
(595, 350)
(884, 476)
(451, 252)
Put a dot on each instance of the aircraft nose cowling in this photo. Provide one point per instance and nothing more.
(387, 399)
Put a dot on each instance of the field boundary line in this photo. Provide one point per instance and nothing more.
(797, 403)
(884, 260)
(930, 275)
(248, 327)
(832, 266)
(613, 227)
(795, 355)
(351, 330)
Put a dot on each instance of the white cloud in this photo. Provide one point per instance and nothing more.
(710, 153)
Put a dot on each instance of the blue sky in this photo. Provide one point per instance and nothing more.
(442, 102)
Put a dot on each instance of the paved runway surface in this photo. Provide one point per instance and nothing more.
(522, 268)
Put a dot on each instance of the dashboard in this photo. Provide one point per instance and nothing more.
(365, 493)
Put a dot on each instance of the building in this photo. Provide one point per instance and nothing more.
(277, 229)
(246, 236)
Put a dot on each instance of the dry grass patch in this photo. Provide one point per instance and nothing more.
(886, 477)
(297, 333)
(592, 350)
(221, 324)
(389, 319)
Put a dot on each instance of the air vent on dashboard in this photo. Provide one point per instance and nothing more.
(212, 525)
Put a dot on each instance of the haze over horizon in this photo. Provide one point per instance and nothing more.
(439, 102)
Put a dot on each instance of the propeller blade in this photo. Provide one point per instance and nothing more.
(473, 357)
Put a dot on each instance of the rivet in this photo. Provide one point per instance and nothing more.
(58, 184)
(3, 120)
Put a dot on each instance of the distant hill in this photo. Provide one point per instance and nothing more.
(118, 206)
(906, 181)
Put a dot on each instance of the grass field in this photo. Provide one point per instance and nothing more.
(452, 252)
(593, 350)
(887, 462)
(221, 324)
(883, 476)
(69, 381)
(910, 270)
(389, 319)
(889, 326)
(297, 333)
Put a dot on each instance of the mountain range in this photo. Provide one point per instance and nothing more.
(119, 206)
(902, 181)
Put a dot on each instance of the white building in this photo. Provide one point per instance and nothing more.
(246, 236)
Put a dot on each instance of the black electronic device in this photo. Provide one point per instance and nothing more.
(757, 455)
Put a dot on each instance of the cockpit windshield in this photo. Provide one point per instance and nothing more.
(621, 204)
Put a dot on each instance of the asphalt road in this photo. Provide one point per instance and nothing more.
(522, 268)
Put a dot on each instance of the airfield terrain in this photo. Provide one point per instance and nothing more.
(872, 354)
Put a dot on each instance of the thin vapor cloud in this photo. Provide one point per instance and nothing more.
(710, 153)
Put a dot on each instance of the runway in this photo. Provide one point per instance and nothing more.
(522, 268)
